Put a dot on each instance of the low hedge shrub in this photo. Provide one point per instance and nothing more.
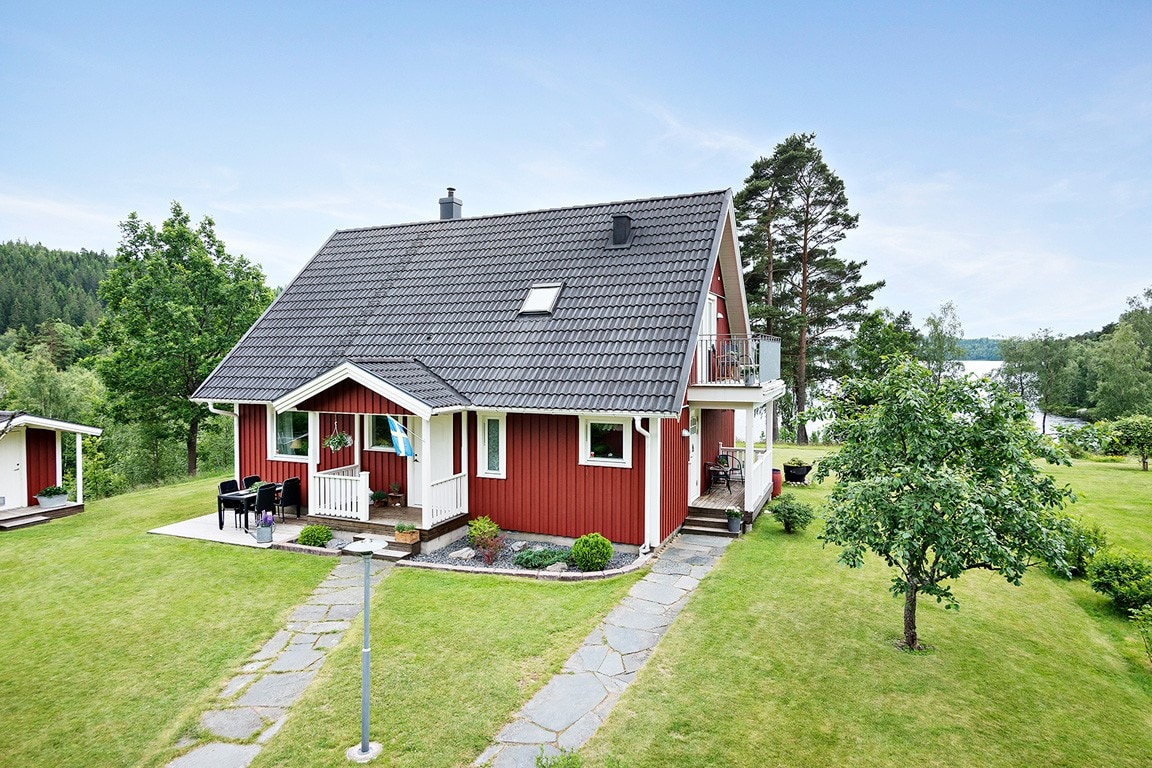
(314, 535)
(591, 552)
(535, 559)
(793, 514)
(1124, 577)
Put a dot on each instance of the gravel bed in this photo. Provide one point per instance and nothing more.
(506, 559)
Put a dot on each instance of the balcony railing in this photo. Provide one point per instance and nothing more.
(744, 361)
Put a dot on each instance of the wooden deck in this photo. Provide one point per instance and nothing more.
(22, 517)
(382, 521)
(719, 497)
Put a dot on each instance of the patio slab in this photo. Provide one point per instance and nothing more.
(205, 528)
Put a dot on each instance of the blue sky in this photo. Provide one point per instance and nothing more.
(999, 155)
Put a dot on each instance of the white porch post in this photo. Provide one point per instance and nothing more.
(750, 455)
(426, 473)
(313, 456)
(236, 442)
(463, 438)
(59, 460)
(79, 468)
(652, 483)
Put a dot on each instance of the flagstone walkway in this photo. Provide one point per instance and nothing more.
(254, 704)
(567, 711)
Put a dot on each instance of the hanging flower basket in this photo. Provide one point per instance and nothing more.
(337, 441)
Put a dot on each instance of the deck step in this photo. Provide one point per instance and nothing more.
(699, 521)
(709, 531)
(20, 522)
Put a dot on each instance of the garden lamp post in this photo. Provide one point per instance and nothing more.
(365, 750)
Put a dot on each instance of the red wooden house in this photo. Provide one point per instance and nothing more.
(560, 371)
(32, 459)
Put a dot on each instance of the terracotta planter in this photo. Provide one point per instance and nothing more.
(395, 499)
(406, 537)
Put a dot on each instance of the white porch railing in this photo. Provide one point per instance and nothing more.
(448, 499)
(342, 492)
(759, 478)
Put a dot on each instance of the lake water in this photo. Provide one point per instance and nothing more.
(987, 367)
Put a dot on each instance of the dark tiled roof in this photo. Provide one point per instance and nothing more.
(447, 294)
(413, 377)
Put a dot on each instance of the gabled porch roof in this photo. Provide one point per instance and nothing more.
(21, 419)
(404, 381)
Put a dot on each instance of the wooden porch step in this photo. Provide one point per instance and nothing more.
(706, 522)
(686, 528)
(20, 522)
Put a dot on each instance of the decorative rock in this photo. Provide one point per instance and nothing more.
(518, 545)
(463, 554)
(557, 567)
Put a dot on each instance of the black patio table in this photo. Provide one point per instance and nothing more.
(246, 497)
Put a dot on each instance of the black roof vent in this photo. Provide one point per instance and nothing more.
(621, 230)
(450, 206)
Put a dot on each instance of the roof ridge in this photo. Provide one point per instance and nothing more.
(537, 210)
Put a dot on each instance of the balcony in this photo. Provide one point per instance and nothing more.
(735, 361)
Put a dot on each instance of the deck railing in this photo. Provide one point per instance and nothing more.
(736, 360)
(449, 499)
(342, 492)
(757, 475)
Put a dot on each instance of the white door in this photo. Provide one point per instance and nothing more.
(415, 475)
(13, 480)
(693, 454)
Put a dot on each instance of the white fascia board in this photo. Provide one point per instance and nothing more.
(59, 426)
(714, 396)
(357, 374)
(216, 400)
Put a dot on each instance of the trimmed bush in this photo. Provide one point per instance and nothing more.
(314, 535)
(1142, 618)
(1124, 577)
(591, 552)
(793, 514)
(535, 559)
(1082, 541)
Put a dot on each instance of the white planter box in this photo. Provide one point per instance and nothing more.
(48, 502)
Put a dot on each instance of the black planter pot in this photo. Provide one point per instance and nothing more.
(795, 474)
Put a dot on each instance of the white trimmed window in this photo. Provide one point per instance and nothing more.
(288, 435)
(491, 445)
(606, 441)
(541, 299)
(379, 434)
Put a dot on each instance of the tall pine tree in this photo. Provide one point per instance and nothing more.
(793, 210)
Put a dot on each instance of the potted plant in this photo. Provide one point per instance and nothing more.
(52, 496)
(395, 495)
(337, 441)
(735, 518)
(265, 525)
(406, 533)
(796, 469)
(379, 498)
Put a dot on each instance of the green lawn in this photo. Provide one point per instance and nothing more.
(786, 658)
(112, 636)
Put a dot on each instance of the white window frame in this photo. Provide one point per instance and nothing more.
(482, 419)
(368, 432)
(272, 454)
(545, 295)
(586, 457)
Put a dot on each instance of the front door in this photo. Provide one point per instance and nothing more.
(415, 476)
(13, 482)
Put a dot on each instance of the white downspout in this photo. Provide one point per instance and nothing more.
(651, 482)
(235, 414)
(79, 468)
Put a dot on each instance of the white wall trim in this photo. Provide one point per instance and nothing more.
(585, 454)
(482, 418)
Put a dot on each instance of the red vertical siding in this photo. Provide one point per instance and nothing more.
(716, 428)
(253, 425)
(548, 491)
(350, 397)
(673, 474)
(385, 468)
(329, 424)
(40, 460)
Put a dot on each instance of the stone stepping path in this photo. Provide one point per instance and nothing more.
(253, 705)
(567, 711)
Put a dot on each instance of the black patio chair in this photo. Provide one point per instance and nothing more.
(265, 500)
(289, 496)
(248, 481)
(734, 466)
(718, 473)
(222, 503)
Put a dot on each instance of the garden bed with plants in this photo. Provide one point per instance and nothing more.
(493, 550)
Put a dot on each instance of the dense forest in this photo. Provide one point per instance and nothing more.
(42, 285)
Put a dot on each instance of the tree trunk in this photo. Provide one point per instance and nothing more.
(1043, 422)
(193, 433)
(910, 638)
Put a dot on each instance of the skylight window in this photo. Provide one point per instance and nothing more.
(541, 299)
